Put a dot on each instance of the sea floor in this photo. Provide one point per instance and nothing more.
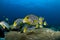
(37, 34)
(2, 38)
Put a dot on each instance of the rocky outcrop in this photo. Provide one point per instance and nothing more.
(37, 34)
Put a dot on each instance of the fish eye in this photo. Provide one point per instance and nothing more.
(27, 17)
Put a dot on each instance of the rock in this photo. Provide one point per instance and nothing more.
(2, 33)
(37, 34)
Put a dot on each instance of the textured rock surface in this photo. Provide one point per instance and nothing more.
(37, 34)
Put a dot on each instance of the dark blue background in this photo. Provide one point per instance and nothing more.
(49, 9)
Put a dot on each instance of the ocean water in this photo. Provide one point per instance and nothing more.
(49, 9)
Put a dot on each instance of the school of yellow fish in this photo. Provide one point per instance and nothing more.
(31, 20)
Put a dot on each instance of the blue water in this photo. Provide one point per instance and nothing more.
(49, 9)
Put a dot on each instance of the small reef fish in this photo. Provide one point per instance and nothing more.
(4, 24)
(17, 22)
(45, 23)
(25, 29)
(42, 22)
(31, 19)
(6, 19)
(26, 20)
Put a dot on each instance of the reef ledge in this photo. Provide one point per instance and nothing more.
(37, 34)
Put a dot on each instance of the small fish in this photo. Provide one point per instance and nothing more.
(6, 19)
(27, 20)
(41, 21)
(45, 23)
(37, 26)
(41, 18)
(35, 21)
(17, 22)
(25, 29)
(41, 26)
(4, 25)
(31, 19)
(14, 24)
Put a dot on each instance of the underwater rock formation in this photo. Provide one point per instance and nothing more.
(37, 34)
(1, 33)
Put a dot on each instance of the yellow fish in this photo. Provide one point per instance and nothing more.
(14, 24)
(45, 23)
(25, 29)
(27, 20)
(32, 20)
(17, 22)
(41, 19)
(35, 21)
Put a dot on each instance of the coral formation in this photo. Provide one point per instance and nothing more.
(37, 34)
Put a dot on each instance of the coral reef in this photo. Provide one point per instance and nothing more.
(37, 34)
